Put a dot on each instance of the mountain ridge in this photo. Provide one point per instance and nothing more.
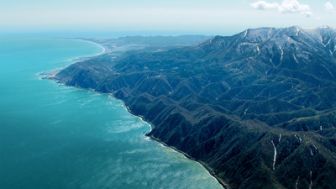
(257, 107)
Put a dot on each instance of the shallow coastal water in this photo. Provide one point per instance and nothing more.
(54, 137)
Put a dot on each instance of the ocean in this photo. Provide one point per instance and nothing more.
(59, 137)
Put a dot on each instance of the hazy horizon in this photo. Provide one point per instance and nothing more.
(162, 17)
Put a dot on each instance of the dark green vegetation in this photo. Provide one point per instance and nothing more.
(257, 107)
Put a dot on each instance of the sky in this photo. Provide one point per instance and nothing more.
(184, 16)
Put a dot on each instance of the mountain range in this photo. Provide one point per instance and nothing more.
(258, 108)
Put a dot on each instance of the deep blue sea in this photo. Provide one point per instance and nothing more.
(58, 137)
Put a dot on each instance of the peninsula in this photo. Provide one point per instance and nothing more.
(258, 108)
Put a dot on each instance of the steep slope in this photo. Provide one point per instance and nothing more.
(258, 107)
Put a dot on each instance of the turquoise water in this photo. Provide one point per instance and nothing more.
(57, 137)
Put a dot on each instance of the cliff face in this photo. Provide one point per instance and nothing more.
(257, 107)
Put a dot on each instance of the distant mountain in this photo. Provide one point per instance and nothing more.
(150, 42)
(258, 108)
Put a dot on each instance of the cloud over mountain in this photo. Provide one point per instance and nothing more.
(286, 6)
(329, 6)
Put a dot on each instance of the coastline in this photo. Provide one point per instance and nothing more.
(209, 169)
(50, 75)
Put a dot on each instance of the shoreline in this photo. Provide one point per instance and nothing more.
(50, 75)
(209, 169)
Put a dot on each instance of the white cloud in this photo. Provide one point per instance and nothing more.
(286, 6)
(329, 6)
(263, 5)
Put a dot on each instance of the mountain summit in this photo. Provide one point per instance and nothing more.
(257, 108)
(280, 48)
